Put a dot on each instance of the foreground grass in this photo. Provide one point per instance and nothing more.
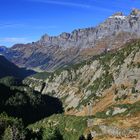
(70, 127)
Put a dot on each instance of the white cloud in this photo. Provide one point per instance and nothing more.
(14, 40)
(10, 25)
(63, 3)
(26, 26)
(73, 4)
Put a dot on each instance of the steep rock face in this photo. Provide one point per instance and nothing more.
(93, 86)
(50, 53)
(88, 38)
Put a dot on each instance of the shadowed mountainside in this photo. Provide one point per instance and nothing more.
(9, 69)
(21, 101)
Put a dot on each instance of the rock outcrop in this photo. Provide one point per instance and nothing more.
(95, 85)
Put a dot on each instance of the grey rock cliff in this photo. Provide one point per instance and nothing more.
(81, 86)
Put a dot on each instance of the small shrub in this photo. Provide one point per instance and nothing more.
(133, 90)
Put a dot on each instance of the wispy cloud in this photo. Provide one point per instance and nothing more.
(26, 26)
(14, 40)
(5, 25)
(72, 4)
(10, 25)
(63, 3)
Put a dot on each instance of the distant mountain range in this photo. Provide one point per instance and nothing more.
(2, 49)
(9, 69)
(52, 52)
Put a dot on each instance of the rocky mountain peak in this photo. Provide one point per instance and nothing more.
(118, 14)
(45, 37)
(64, 35)
(135, 12)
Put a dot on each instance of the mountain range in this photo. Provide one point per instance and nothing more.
(87, 87)
(53, 52)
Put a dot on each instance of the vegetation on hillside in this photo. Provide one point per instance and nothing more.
(23, 102)
(25, 114)
(70, 127)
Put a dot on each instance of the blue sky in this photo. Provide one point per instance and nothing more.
(23, 21)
